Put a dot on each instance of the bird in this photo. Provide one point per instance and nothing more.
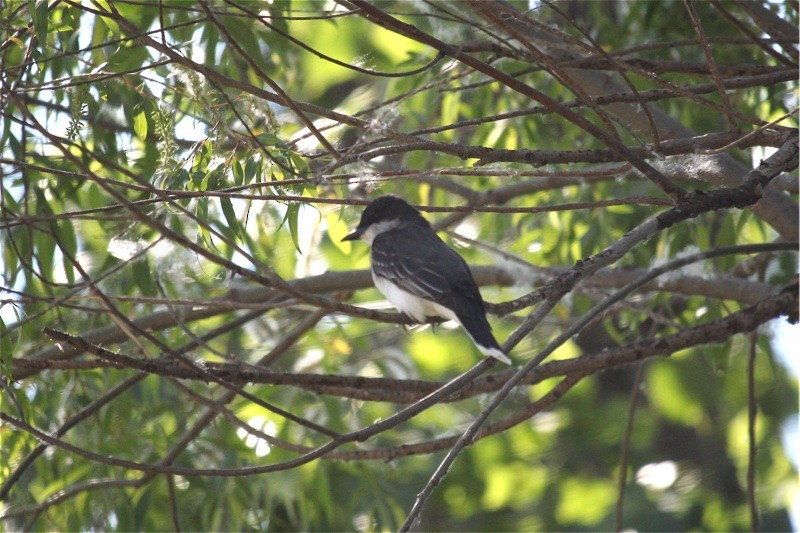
(421, 275)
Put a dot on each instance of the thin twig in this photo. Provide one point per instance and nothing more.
(622, 481)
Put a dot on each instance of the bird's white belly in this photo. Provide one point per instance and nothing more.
(414, 306)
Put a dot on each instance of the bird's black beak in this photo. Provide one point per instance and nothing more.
(353, 236)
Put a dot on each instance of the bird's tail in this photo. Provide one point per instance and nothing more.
(480, 332)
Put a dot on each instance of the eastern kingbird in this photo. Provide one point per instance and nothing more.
(419, 274)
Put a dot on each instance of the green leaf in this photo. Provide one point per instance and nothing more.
(44, 247)
(41, 21)
(140, 125)
(212, 179)
(301, 167)
(67, 239)
(248, 37)
(202, 157)
(203, 234)
(5, 350)
(269, 139)
(127, 58)
(251, 169)
(292, 212)
(143, 276)
(230, 216)
(110, 23)
(143, 508)
(238, 172)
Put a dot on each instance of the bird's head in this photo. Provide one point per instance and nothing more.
(383, 214)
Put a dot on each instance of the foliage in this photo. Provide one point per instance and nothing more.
(187, 343)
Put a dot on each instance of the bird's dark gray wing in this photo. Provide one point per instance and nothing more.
(418, 261)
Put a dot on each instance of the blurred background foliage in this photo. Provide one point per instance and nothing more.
(149, 146)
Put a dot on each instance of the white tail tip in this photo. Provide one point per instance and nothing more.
(494, 352)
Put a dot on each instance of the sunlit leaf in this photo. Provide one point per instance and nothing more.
(39, 11)
(230, 215)
(292, 212)
(140, 125)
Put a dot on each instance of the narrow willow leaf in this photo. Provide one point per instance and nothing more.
(140, 125)
(5, 350)
(67, 239)
(39, 14)
(143, 277)
(44, 247)
(292, 213)
(238, 172)
(230, 216)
